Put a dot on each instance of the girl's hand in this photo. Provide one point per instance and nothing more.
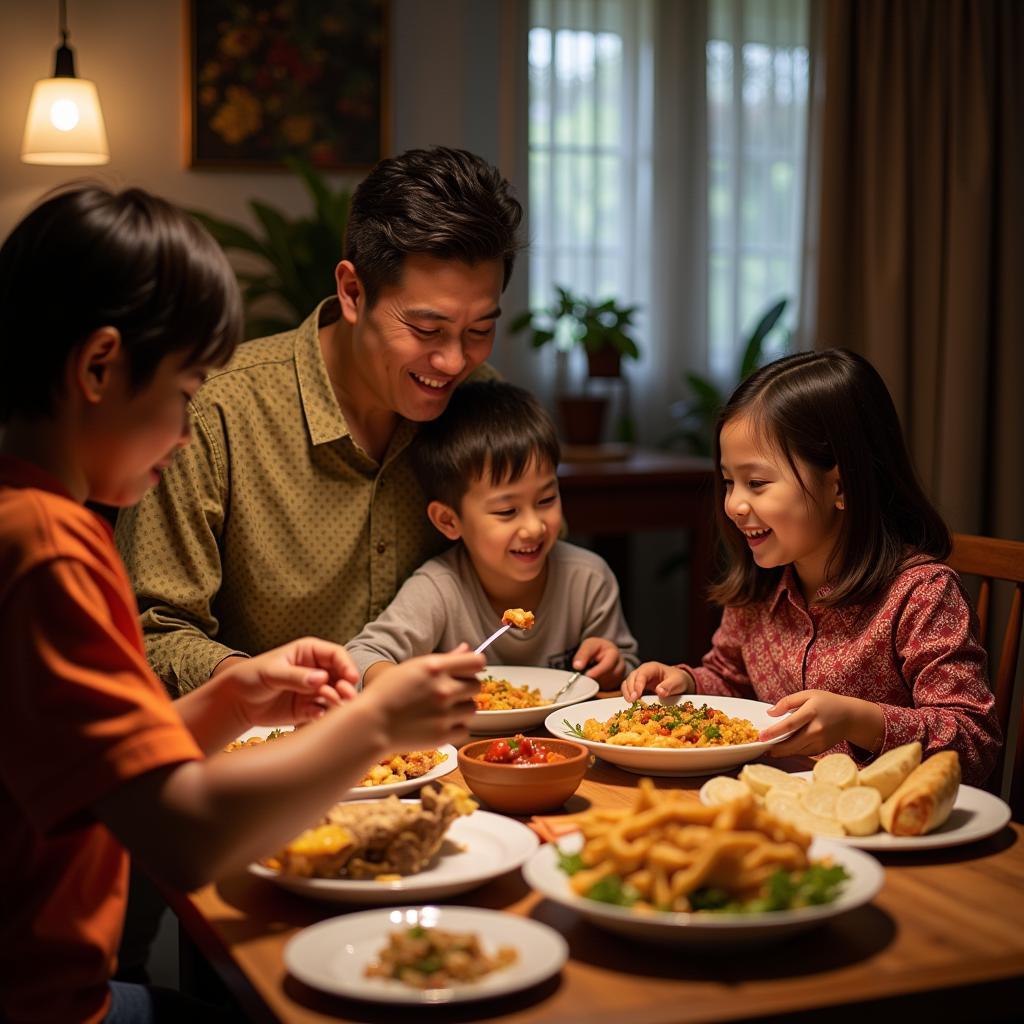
(427, 701)
(602, 660)
(654, 677)
(820, 720)
(293, 683)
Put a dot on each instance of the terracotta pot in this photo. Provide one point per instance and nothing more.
(524, 788)
(582, 418)
(605, 362)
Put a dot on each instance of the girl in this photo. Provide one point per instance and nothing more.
(838, 609)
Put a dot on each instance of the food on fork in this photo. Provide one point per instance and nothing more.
(378, 839)
(501, 695)
(925, 798)
(436, 958)
(518, 617)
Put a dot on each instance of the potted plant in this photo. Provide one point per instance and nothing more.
(298, 254)
(696, 415)
(602, 329)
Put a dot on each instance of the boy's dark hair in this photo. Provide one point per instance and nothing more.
(829, 409)
(489, 427)
(438, 202)
(87, 258)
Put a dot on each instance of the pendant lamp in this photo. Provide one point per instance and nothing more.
(65, 123)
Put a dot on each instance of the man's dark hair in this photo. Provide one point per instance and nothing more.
(832, 409)
(489, 427)
(440, 202)
(87, 258)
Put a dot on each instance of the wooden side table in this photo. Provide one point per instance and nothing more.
(612, 492)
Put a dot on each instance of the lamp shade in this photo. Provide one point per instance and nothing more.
(65, 124)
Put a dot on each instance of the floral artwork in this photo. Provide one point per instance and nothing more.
(287, 78)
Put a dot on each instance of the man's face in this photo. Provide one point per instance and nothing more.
(426, 334)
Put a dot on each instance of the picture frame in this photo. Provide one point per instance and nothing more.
(270, 79)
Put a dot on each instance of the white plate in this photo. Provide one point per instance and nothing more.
(975, 815)
(333, 955)
(477, 848)
(548, 680)
(448, 765)
(866, 875)
(657, 760)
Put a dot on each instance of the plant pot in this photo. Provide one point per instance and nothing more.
(582, 419)
(605, 362)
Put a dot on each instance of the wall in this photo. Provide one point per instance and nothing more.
(453, 82)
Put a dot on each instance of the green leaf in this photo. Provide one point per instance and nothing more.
(521, 322)
(229, 235)
(570, 863)
(542, 338)
(752, 352)
(576, 730)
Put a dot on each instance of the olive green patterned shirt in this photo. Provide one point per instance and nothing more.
(273, 523)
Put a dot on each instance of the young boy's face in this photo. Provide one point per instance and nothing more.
(134, 436)
(510, 527)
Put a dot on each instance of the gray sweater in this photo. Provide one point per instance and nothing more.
(443, 604)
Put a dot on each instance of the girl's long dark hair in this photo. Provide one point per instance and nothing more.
(831, 409)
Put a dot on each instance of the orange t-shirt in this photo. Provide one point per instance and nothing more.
(80, 713)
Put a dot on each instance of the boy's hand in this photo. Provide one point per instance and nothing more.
(427, 701)
(654, 677)
(293, 683)
(602, 660)
(821, 720)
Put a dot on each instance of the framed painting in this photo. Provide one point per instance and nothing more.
(269, 79)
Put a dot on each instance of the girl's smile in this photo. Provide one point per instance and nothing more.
(784, 517)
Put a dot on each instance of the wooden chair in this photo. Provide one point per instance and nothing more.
(993, 559)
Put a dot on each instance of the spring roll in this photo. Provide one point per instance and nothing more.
(923, 801)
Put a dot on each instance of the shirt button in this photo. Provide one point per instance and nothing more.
(381, 547)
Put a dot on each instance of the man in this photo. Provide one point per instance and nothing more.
(295, 510)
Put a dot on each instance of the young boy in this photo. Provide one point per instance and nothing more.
(488, 466)
(114, 306)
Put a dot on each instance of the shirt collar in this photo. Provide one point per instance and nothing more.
(788, 584)
(15, 472)
(324, 418)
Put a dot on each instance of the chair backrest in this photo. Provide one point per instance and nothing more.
(993, 559)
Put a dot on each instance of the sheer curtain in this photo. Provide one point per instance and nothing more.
(667, 150)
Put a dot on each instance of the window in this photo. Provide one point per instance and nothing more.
(594, 214)
(585, 142)
(757, 87)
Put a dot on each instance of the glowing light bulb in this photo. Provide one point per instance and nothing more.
(64, 115)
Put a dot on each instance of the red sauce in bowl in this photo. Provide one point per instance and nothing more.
(520, 750)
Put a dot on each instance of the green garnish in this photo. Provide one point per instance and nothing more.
(611, 889)
(574, 729)
(613, 729)
(712, 732)
(429, 964)
(570, 863)
(417, 932)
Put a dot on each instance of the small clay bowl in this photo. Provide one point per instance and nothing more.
(524, 788)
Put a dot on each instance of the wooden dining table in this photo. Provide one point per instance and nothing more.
(943, 940)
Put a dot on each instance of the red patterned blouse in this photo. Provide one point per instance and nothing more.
(914, 652)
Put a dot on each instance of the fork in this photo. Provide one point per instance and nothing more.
(572, 679)
(494, 636)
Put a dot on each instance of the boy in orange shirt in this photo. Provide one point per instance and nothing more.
(101, 360)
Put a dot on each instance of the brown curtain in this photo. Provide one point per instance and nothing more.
(921, 247)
